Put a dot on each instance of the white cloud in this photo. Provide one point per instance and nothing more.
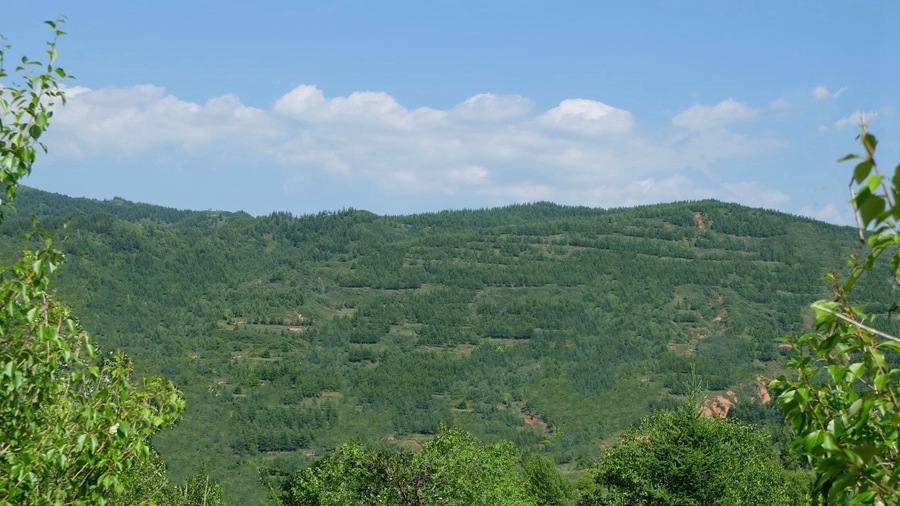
(490, 149)
(300, 102)
(490, 107)
(855, 119)
(447, 182)
(705, 137)
(524, 192)
(754, 194)
(726, 112)
(360, 109)
(470, 175)
(831, 214)
(820, 92)
(587, 116)
(127, 121)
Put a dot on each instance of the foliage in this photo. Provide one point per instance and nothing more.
(25, 110)
(145, 483)
(71, 422)
(546, 483)
(683, 458)
(200, 490)
(841, 395)
(454, 468)
(532, 323)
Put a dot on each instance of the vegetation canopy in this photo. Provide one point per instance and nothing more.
(682, 457)
(72, 421)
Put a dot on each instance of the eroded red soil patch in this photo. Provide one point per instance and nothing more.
(699, 219)
(721, 316)
(718, 407)
(531, 419)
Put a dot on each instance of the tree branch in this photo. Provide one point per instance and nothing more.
(855, 323)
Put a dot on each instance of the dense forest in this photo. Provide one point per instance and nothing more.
(553, 328)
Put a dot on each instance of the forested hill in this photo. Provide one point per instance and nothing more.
(552, 327)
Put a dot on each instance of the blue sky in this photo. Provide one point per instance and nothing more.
(403, 107)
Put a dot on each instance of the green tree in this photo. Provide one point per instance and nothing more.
(841, 391)
(683, 458)
(348, 475)
(71, 421)
(458, 469)
(546, 482)
(200, 490)
(145, 483)
(454, 468)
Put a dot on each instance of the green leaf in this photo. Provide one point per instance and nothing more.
(813, 439)
(828, 441)
(862, 171)
(880, 381)
(895, 181)
(854, 408)
(855, 370)
(837, 372)
(878, 358)
(873, 181)
(870, 207)
(851, 156)
(870, 140)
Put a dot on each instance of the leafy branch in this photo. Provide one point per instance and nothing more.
(841, 395)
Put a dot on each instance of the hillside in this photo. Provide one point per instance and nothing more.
(552, 327)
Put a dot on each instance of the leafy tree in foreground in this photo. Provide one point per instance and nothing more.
(145, 483)
(454, 468)
(71, 422)
(546, 483)
(841, 394)
(683, 458)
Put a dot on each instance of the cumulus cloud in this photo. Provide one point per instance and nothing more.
(587, 116)
(309, 149)
(360, 108)
(128, 121)
(490, 107)
(704, 117)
